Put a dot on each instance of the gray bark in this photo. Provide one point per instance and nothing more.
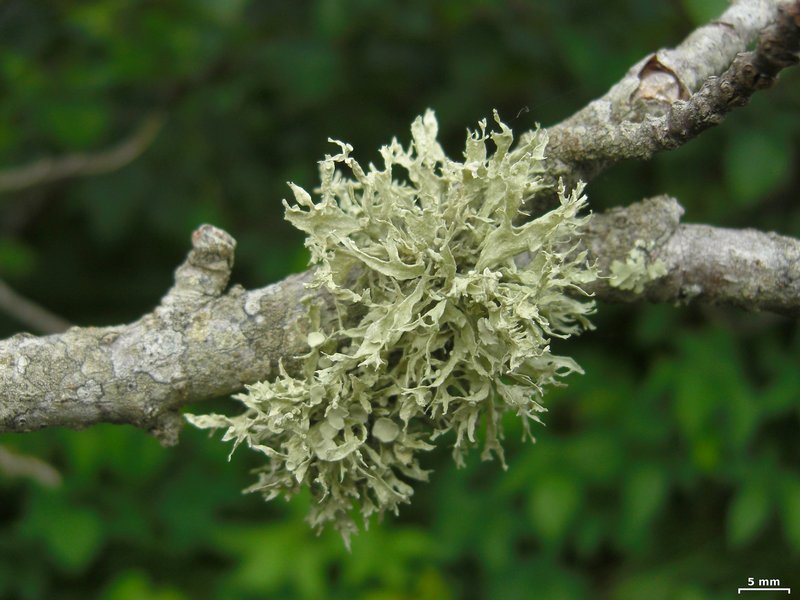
(746, 268)
(199, 343)
(672, 95)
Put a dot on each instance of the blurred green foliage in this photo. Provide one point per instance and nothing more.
(670, 470)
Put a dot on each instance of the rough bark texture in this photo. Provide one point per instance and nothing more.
(203, 342)
(197, 344)
(671, 96)
(745, 268)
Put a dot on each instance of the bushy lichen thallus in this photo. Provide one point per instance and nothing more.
(438, 330)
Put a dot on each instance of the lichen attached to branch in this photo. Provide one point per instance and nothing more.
(438, 329)
(638, 269)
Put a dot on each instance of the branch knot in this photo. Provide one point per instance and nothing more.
(205, 273)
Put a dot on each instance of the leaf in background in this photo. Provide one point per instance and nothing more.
(692, 592)
(655, 322)
(391, 555)
(286, 556)
(16, 258)
(590, 534)
(73, 535)
(748, 513)
(261, 553)
(790, 510)
(331, 17)
(432, 585)
(702, 11)
(187, 507)
(644, 492)
(114, 202)
(755, 162)
(76, 124)
(742, 415)
(552, 505)
(537, 577)
(135, 585)
(595, 456)
(695, 402)
(226, 12)
(306, 70)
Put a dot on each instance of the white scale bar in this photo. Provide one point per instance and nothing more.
(767, 589)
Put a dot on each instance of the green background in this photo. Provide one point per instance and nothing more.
(670, 470)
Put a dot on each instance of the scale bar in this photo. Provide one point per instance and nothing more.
(765, 589)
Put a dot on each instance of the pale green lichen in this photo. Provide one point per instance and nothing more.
(438, 329)
(638, 269)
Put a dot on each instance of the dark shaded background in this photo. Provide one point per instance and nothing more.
(670, 470)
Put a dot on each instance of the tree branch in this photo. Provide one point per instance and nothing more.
(672, 96)
(201, 343)
(746, 268)
(19, 465)
(48, 170)
(196, 345)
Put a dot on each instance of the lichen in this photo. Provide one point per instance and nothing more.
(437, 331)
(638, 269)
